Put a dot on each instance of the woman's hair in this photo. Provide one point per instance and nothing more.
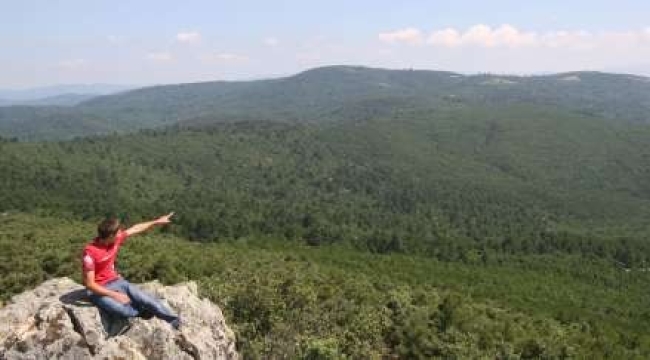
(108, 228)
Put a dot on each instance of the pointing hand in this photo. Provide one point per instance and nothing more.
(164, 219)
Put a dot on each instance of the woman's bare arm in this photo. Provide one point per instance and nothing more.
(89, 282)
(142, 227)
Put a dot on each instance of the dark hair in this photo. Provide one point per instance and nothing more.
(108, 228)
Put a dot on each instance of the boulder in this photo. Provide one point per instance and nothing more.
(56, 321)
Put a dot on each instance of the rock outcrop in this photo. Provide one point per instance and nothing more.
(55, 321)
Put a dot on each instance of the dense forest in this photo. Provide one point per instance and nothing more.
(359, 212)
(288, 300)
(446, 183)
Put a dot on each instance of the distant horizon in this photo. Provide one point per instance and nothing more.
(133, 86)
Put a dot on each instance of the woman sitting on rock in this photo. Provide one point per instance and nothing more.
(108, 290)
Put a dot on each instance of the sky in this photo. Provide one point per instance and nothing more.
(143, 42)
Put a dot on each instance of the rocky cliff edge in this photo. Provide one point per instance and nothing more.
(56, 321)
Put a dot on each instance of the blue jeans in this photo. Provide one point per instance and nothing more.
(140, 302)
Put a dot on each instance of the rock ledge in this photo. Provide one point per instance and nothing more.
(55, 321)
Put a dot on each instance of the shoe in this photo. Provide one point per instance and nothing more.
(176, 323)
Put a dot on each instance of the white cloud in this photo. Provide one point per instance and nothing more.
(481, 35)
(72, 64)
(224, 58)
(189, 37)
(484, 36)
(626, 38)
(162, 56)
(271, 41)
(446, 37)
(510, 49)
(508, 35)
(577, 39)
(407, 35)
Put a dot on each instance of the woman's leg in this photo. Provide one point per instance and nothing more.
(142, 300)
(113, 306)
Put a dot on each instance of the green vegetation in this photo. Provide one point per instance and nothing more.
(354, 212)
(291, 300)
(442, 183)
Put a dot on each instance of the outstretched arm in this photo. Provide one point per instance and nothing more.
(142, 227)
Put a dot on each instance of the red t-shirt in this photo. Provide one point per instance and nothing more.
(101, 258)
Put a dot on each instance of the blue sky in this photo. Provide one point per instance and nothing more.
(146, 42)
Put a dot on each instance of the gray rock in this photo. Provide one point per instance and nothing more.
(55, 321)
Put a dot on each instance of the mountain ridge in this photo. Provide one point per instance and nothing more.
(40, 92)
(311, 96)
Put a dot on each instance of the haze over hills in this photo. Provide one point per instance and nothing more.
(57, 95)
(36, 93)
(55, 100)
(325, 94)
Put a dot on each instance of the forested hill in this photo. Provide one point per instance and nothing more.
(326, 94)
(441, 182)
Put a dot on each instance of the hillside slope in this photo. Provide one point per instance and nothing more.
(521, 179)
(323, 94)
